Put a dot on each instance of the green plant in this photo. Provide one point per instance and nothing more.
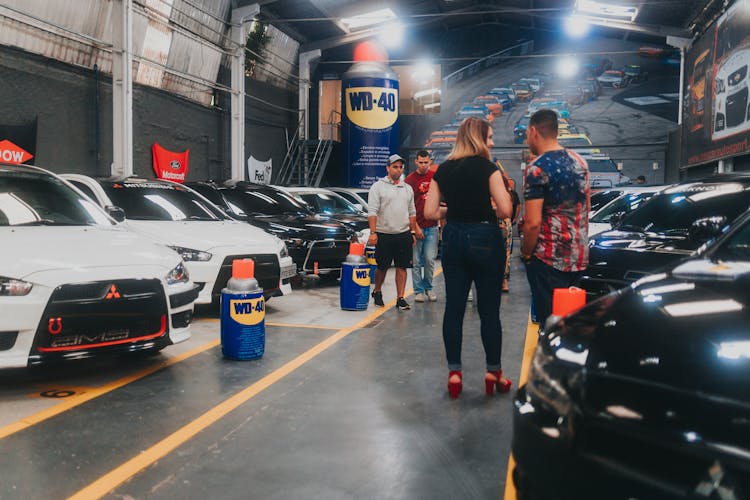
(257, 41)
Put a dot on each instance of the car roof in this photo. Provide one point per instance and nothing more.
(23, 168)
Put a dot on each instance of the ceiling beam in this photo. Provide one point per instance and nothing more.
(640, 28)
(326, 13)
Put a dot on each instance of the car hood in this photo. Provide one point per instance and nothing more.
(308, 228)
(40, 254)
(646, 252)
(356, 222)
(208, 236)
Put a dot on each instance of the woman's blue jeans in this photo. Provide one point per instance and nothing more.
(473, 252)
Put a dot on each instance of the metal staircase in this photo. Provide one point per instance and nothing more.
(305, 163)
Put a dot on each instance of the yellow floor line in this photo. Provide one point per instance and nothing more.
(127, 470)
(95, 392)
(532, 335)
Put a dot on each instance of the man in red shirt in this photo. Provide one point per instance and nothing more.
(425, 250)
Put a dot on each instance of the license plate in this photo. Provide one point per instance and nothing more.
(288, 272)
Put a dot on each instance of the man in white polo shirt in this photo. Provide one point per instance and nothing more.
(393, 222)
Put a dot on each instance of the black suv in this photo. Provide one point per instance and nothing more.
(644, 393)
(310, 239)
(670, 226)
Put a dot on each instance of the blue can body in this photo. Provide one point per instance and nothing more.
(243, 326)
(370, 256)
(355, 286)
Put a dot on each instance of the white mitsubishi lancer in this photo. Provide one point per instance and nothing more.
(207, 239)
(74, 283)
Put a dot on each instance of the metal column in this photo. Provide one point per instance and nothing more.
(240, 16)
(305, 58)
(122, 88)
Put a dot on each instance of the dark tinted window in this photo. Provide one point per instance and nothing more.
(36, 199)
(83, 187)
(328, 203)
(265, 202)
(625, 204)
(737, 247)
(601, 165)
(163, 202)
(598, 200)
(677, 208)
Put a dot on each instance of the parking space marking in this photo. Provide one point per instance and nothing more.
(130, 468)
(94, 392)
(532, 336)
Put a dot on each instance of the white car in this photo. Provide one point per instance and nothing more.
(207, 239)
(356, 196)
(630, 199)
(731, 110)
(325, 202)
(74, 283)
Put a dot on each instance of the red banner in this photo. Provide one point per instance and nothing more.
(169, 165)
(10, 153)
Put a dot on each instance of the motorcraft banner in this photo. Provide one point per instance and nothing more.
(259, 171)
(716, 107)
(170, 165)
(18, 143)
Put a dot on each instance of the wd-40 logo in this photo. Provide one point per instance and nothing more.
(247, 311)
(372, 107)
(361, 276)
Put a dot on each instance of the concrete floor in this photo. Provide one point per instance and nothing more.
(344, 405)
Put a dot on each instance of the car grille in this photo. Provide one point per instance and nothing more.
(737, 108)
(329, 254)
(99, 314)
(267, 272)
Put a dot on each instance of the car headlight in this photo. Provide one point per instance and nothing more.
(546, 382)
(178, 275)
(284, 251)
(14, 288)
(188, 254)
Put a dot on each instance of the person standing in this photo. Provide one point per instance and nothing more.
(393, 223)
(556, 206)
(473, 247)
(425, 250)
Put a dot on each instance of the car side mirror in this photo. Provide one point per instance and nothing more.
(616, 218)
(116, 213)
(359, 207)
(549, 324)
(707, 228)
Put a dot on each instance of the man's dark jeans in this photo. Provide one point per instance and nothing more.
(543, 279)
(473, 252)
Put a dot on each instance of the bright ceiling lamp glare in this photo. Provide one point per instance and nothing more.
(368, 19)
(606, 10)
(392, 35)
(567, 67)
(576, 26)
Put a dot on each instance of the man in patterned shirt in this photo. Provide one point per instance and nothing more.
(556, 206)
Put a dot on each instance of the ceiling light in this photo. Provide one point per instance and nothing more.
(369, 19)
(606, 10)
(392, 35)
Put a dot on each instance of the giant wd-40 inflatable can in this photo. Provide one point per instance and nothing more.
(355, 279)
(370, 123)
(243, 314)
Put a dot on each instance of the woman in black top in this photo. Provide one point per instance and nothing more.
(473, 246)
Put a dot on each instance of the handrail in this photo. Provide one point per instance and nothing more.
(486, 62)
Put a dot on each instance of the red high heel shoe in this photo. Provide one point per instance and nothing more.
(494, 380)
(455, 383)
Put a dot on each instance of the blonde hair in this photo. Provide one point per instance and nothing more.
(471, 139)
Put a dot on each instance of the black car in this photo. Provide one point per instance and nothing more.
(309, 238)
(670, 226)
(644, 393)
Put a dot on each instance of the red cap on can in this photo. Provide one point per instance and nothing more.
(243, 268)
(356, 249)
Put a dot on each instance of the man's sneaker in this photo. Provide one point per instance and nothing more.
(419, 297)
(431, 295)
(378, 299)
(402, 304)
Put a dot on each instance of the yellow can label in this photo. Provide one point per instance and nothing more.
(248, 311)
(373, 108)
(361, 276)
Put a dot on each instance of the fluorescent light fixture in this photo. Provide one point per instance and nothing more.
(392, 34)
(734, 350)
(425, 93)
(606, 10)
(701, 307)
(677, 287)
(433, 105)
(369, 19)
(576, 26)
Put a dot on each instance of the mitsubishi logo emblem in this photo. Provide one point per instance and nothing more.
(113, 293)
(714, 484)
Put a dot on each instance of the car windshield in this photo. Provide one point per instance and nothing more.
(265, 202)
(601, 165)
(737, 246)
(676, 209)
(158, 201)
(624, 204)
(328, 203)
(598, 200)
(38, 199)
(574, 141)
